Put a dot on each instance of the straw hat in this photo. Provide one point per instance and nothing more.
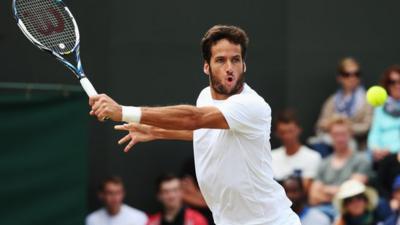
(352, 188)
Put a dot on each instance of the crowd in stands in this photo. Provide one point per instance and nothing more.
(347, 174)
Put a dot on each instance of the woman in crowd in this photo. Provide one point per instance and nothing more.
(349, 101)
(384, 136)
(357, 205)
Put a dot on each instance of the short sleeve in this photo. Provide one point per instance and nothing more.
(363, 165)
(246, 113)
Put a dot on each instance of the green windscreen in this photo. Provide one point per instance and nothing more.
(43, 159)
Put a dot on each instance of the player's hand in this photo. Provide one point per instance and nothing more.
(104, 107)
(137, 133)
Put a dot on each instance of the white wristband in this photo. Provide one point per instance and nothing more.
(131, 114)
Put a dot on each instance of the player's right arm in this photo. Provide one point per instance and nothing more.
(144, 133)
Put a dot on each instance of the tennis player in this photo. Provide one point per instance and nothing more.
(230, 128)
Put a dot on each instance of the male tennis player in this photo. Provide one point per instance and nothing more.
(230, 128)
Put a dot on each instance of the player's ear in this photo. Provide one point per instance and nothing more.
(206, 68)
(244, 67)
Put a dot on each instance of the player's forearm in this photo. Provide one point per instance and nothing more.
(180, 117)
(183, 135)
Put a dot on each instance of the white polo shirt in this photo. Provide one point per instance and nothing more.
(306, 160)
(233, 166)
(126, 216)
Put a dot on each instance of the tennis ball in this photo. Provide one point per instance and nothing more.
(376, 96)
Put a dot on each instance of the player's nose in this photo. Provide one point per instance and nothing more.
(229, 68)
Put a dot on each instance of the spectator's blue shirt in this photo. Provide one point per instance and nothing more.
(385, 131)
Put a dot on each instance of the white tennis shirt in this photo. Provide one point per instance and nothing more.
(233, 166)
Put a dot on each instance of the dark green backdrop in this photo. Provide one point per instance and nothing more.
(43, 159)
(147, 52)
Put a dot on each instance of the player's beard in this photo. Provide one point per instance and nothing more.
(219, 88)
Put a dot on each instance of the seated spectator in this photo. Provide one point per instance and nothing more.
(169, 192)
(192, 196)
(357, 204)
(297, 194)
(348, 101)
(384, 137)
(293, 156)
(387, 170)
(112, 194)
(394, 219)
(342, 165)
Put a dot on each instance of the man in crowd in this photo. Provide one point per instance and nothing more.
(169, 193)
(292, 156)
(342, 165)
(297, 194)
(114, 212)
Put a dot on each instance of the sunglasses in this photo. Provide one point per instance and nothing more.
(393, 82)
(349, 74)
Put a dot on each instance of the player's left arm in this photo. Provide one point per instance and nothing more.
(178, 117)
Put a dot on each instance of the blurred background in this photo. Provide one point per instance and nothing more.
(53, 155)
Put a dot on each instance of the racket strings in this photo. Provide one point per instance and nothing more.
(49, 23)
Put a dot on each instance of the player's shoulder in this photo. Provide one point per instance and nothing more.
(96, 216)
(204, 95)
(250, 97)
(134, 213)
(205, 91)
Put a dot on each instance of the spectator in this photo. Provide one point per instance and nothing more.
(293, 156)
(297, 194)
(169, 193)
(348, 101)
(112, 194)
(384, 137)
(394, 219)
(357, 204)
(342, 165)
(192, 196)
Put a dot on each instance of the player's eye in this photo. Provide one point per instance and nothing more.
(236, 60)
(219, 60)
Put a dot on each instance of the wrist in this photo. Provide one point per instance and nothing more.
(131, 114)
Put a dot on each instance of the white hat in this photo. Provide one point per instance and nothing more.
(352, 188)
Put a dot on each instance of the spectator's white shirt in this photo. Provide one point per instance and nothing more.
(126, 216)
(233, 166)
(306, 160)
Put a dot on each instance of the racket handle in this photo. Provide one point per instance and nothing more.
(88, 87)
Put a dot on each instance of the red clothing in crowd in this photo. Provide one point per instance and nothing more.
(191, 217)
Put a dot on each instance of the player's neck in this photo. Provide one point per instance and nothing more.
(292, 148)
(217, 96)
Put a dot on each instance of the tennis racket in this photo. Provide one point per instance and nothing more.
(50, 26)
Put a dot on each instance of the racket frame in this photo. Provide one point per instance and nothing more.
(78, 69)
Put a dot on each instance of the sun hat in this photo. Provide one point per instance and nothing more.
(353, 188)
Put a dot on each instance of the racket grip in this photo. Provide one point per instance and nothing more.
(88, 87)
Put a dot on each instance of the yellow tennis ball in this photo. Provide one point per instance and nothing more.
(376, 96)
